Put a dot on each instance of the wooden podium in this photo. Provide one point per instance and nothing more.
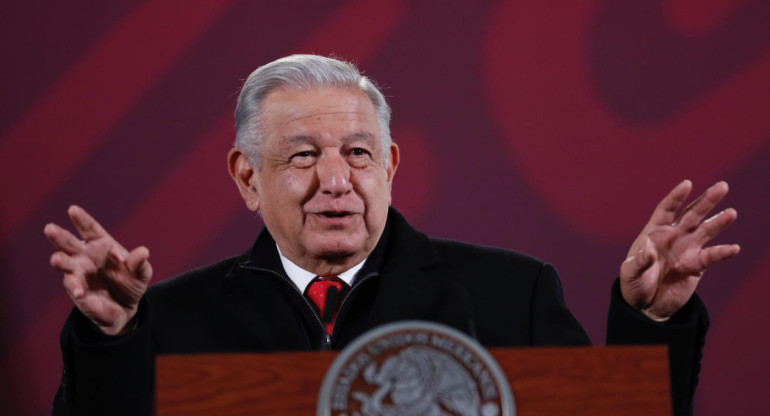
(545, 381)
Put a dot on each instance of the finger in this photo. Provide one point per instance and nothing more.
(75, 265)
(711, 227)
(138, 263)
(117, 253)
(635, 265)
(62, 262)
(698, 209)
(63, 240)
(87, 226)
(714, 254)
(74, 285)
(665, 212)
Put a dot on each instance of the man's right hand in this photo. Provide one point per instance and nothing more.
(104, 280)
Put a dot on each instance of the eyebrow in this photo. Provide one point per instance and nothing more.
(304, 138)
(367, 137)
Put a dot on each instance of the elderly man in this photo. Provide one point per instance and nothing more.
(313, 156)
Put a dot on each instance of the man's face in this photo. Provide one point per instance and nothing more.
(323, 188)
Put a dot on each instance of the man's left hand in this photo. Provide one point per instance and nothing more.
(666, 261)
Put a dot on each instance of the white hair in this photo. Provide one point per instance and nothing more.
(301, 72)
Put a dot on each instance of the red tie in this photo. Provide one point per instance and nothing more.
(317, 291)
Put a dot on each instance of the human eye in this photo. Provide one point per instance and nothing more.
(358, 151)
(302, 159)
(359, 157)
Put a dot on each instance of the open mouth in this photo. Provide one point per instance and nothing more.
(330, 214)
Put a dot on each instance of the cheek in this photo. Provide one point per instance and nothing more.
(294, 188)
(290, 185)
(375, 190)
(373, 185)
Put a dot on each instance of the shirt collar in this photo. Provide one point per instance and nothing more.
(302, 277)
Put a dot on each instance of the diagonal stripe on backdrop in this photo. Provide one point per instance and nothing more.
(349, 34)
(90, 98)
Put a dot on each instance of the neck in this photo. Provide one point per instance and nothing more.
(329, 265)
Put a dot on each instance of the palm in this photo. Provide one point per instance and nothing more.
(667, 260)
(105, 299)
(104, 280)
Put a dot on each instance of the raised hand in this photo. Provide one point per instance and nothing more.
(103, 279)
(666, 261)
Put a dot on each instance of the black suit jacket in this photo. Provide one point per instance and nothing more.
(248, 303)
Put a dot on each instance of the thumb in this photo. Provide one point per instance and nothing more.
(138, 263)
(637, 263)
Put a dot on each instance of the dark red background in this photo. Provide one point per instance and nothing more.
(542, 126)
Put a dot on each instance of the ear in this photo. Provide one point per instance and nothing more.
(244, 176)
(392, 164)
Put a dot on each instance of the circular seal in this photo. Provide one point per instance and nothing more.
(415, 368)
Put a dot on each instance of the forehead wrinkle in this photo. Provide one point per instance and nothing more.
(290, 119)
(347, 139)
(298, 139)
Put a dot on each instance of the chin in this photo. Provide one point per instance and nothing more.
(339, 249)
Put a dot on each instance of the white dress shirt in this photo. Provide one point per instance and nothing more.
(302, 277)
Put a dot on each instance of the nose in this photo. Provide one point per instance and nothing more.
(333, 175)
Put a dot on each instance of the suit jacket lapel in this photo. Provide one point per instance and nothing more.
(262, 298)
(407, 289)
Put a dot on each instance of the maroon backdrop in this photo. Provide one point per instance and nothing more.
(542, 126)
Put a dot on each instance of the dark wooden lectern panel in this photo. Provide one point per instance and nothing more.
(545, 381)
